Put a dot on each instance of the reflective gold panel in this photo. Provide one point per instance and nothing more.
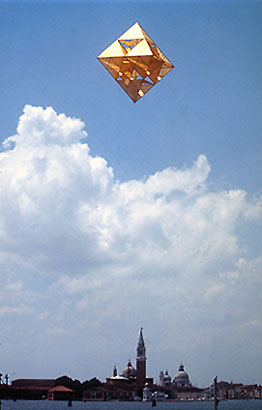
(135, 62)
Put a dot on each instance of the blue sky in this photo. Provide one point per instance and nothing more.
(130, 215)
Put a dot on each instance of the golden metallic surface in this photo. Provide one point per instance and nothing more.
(135, 62)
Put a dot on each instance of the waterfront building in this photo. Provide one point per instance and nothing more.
(60, 393)
(110, 392)
(238, 391)
(141, 361)
(131, 375)
(131, 384)
(180, 388)
(181, 378)
(129, 372)
(33, 388)
(164, 379)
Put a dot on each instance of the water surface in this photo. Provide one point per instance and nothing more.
(113, 405)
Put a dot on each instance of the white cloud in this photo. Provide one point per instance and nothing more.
(71, 232)
(252, 323)
(40, 126)
(58, 331)
(213, 290)
(78, 285)
(43, 316)
(16, 310)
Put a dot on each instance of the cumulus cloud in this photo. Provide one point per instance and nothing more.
(64, 212)
(71, 232)
(40, 126)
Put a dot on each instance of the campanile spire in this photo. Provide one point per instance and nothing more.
(141, 349)
(141, 360)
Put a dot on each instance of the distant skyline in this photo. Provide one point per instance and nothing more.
(116, 216)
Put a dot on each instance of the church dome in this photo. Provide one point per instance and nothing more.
(129, 371)
(181, 377)
(167, 378)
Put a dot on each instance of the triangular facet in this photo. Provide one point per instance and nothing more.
(138, 69)
(164, 70)
(115, 50)
(153, 69)
(162, 56)
(112, 69)
(136, 84)
(141, 49)
(141, 64)
(115, 62)
(134, 32)
(130, 89)
(129, 44)
(145, 87)
(146, 36)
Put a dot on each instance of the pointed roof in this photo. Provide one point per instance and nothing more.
(61, 389)
(141, 339)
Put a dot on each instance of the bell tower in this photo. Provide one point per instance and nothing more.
(141, 360)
